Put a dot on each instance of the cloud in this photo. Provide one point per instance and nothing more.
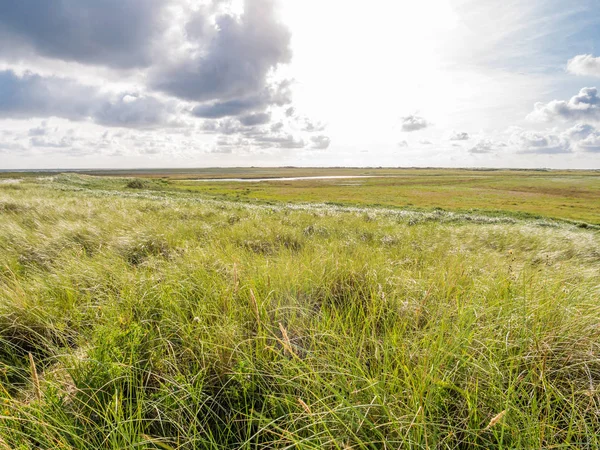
(220, 59)
(459, 136)
(32, 95)
(116, 33)
(590, 144)
(403, 144)
(585, 137)
(581, 137)
(233, 61)
(277, 126)
(42, 130)
(6, 147)
(525, 141)
(135, 111)
(483, 146)
(64, 142)
(312, 126)
(281, 141)
(219, 110)
(586, 65)
(583, 106)
(278, 95)
(413, 123)
(226, 145)
(223, 148)
(153, 64)
(255, 119)
(580, 131)
(425, 142)
(320, 142)
(263, 136)
(225, 126)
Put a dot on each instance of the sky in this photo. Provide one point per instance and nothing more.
(207, 83)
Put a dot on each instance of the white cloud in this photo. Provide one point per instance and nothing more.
(583, 106)
(586, 65)
(413, 123)
(590, 143)
(483, 146)
(525, 141)
(585, 137)
(459, 136)
(580, 131)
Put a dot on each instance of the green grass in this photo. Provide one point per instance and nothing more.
(149, 317)
(571, 195)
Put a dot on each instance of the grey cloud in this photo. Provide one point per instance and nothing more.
(225, 126)
(459, 136)
(320, 142)
(312, 126)
(255, 119)
(289, 142)
(425, 142)
(117, 33)
(540, 143)
(583, 106)
(134, 111)
(32, 95)
(42, 130)
(303, 123)
(64, 142)
(223, 149)
(198, 26)
(219, 110)
(482, 147)
(227, 144)
(9, 147)
(413, 123)
(403, 144)
(284, 141)
(224, 63)
(278, 95)
(234, 64)
(253, 133)
(586, 65)
(278, 126)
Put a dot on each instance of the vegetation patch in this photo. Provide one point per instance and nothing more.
(137, 184)
(156, 318)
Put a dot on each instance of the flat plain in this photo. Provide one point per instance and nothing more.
(420, 308)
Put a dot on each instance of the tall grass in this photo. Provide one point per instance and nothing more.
(143, 320)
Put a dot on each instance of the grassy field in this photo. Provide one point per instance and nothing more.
(572, 195)
(425, 310)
